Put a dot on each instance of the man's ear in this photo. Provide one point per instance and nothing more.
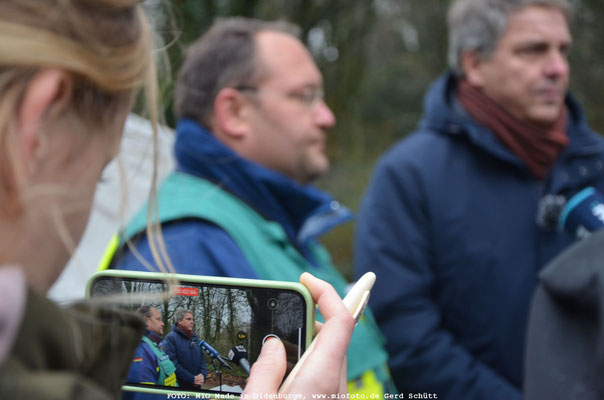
(471, 64)
(230, 113)
(46, 97)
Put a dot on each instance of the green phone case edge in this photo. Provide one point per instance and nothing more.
(216, 280)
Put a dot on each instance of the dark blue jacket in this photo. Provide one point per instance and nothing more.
(199, 247)
(187, 356)
(448, 225)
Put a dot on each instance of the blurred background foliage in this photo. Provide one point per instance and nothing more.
(378, 58)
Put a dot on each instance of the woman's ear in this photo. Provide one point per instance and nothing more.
(46, 97)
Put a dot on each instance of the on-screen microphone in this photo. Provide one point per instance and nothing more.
(238, 355)
(583, 213)
(212, 352)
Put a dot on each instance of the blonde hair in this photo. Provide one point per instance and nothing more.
(105, 44)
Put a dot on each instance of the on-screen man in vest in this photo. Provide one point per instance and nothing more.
(151, 366)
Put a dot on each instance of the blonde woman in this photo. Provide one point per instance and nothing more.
(69, 72)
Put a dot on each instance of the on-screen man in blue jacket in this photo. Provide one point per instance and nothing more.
(182, 346)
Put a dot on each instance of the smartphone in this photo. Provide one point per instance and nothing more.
(232, 318)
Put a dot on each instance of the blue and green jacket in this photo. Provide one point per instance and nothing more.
(150, 365)
(227, 216)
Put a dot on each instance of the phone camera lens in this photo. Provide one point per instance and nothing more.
(272, 303)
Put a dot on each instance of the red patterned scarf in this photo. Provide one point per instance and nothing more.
(537, 147)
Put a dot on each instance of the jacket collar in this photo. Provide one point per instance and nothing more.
(443, 113)
(154, 337)
(302, 210)
(176, 329)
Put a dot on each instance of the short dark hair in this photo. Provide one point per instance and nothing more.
(224, 56)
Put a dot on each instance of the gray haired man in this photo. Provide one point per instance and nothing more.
(449, 221)
(182, 345)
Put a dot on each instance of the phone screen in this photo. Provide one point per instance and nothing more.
(229, 323)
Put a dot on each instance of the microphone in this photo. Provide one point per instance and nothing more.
(212, 352)
(583, 213)
(238, 355)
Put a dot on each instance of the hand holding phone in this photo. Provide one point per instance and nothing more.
(324, 370)
(208, 330)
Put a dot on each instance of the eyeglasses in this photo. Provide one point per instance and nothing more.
(308, 96)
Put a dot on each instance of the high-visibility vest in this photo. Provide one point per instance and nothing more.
(165, 367)
(273, 257)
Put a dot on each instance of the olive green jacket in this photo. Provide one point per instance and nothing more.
(82, 352)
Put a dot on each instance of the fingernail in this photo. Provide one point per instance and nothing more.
(270, 344)
(307, 276)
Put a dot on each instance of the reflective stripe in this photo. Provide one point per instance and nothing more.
(109, 253)
(170, 380)
(367, 385)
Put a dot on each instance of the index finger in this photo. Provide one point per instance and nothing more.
(325, 296)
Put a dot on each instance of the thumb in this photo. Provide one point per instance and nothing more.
(268, 371)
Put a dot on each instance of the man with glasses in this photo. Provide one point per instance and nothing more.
(250, 139)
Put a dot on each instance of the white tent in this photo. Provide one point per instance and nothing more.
(116, 200)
